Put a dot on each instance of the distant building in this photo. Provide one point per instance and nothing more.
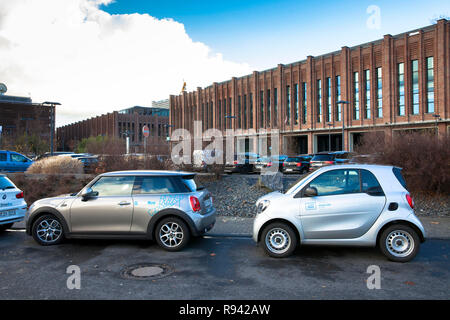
(19, 116)
(119, 124)
(164, 104)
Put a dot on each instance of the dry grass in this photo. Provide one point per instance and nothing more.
(56, 165)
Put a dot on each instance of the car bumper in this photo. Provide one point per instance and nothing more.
(204, 223)
(19, 215)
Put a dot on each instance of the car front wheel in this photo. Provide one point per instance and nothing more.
(279, 240)
(399, 243)
(172, 234)
(47, 230)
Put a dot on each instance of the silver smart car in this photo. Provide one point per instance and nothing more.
(163, 205)
(355, 205)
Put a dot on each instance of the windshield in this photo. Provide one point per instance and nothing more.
(5, 183)
(322, 157)
(292, 185)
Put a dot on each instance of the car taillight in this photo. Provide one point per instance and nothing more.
(19, 195)
(329, 162)
(298, 164)
(283, 164)
(410, 201)
(269, 164)
(235, 162)
(195, 203)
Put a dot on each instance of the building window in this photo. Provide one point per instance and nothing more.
(261, 102)
(319, 100)
(229, 113)
(367, 94)
(304, 103)
(296, 103)
(328, 115)
(225, 112)
(250, 113)
(288, 104)
(401, 89)
(219, 114)
(211, 114)
(245, 111)
(239, 125)
(355, 95)
(415, 86)
(338, 98)
(430, 85)
(379, 93)
(275, 106)
(268, 107)
(203, 117)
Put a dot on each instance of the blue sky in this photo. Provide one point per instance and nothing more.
(264, 33)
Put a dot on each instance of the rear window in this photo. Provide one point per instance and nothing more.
(293, 159)
(399, 176)
(160, 185)
(5, 183)
(323, 157)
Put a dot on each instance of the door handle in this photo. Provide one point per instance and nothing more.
(124, 203)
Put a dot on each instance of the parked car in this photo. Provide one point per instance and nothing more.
(166, 206)
(48, 154)
(75, 155)
(89, 163)
(275, 162)
(363, 158)
(260, 163)
(343, 156)
(11, 161)
(12, 203)
(322, 159)
(360, 205)
(295, 165)
(242, 163)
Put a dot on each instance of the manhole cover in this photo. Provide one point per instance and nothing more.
(146, 271)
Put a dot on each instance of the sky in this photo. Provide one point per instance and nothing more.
(97, 56)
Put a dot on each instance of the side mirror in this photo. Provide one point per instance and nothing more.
(310, 192)
(88, 193)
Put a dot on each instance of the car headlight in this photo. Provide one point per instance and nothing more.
(262, 205)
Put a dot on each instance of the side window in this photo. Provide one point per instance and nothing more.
(18, 158)
(369, 183)
(337, 182)
(2, 156)
(158, 185)
(114, 186)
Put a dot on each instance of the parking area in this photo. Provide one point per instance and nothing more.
(217, 266)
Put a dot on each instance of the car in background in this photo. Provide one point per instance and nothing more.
(89, 163)
(363, 158)
(295, 164)
(343, 156)
(260, 163)
(320, 160)
(351, 205)
(11, 161)
(48, 154)
(273, 162)
(12, 203)
(75, 155)
(166, 206)
(242, 163)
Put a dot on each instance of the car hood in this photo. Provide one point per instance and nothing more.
(53, 201)
(271, 196)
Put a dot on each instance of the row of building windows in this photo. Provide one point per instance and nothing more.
(245, 102)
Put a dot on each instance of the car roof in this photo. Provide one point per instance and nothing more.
(148, 173)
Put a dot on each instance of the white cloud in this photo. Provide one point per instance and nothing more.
(92, 62)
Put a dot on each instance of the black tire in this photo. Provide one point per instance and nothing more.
(394, 238)
(165, 239)
(285, 234)
(54, 233)
(3, 227)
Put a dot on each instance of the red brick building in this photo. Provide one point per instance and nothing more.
(119, 124)
(400, 82)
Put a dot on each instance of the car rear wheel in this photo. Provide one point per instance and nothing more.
(47, 230)
(279, 240)
(172, 234)
(399, 243)
(3, 227)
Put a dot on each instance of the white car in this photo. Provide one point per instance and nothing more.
(12, 203)
(352, 205)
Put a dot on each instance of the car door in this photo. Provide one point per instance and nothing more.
(110, 212)
(345, 206)
(19, 163)
(4, 164)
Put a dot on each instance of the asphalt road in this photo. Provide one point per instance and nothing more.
(216, 268)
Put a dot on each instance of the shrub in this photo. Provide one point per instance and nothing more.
(425, 158)
(56, 165)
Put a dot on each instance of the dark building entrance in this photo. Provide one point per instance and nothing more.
(294, 145)
(332, 142)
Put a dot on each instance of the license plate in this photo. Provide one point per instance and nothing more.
(7, 213)
(258, 167)
(288, 169)
(207, 202)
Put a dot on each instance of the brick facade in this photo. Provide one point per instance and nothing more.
(266, 100)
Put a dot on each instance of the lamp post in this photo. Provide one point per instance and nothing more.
(437, 117)
(342, 109)
(52, 121)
